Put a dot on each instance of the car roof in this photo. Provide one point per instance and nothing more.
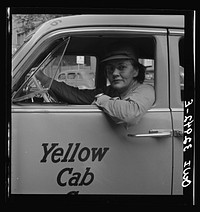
(166, 21)
(79, 21)
(75, 21)
(132, 20)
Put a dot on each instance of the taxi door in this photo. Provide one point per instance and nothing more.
(58, 149)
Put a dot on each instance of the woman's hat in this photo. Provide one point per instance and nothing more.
(120, 51)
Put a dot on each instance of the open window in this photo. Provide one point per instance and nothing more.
(75, 60)
(144, 47)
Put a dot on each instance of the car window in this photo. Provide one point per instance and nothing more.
(76, 72)
(76, 61)
(60, 67)
(71, 76)
(149, 72)
(62, 76)
(181, 67)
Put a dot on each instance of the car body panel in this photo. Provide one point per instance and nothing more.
(178, 152)
(130, 166)
(177, 107)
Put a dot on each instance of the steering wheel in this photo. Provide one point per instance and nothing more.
(46, 96)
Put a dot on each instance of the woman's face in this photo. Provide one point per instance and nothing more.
(121, 74)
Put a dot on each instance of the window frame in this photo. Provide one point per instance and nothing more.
(122, 31)
(175, 95)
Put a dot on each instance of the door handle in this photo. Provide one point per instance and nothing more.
(153, 133)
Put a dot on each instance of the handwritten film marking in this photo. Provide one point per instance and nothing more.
(187, 143)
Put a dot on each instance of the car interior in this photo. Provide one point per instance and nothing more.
(88, 45)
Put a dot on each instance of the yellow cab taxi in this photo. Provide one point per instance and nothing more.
(58, 148)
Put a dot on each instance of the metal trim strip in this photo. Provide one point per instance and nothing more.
(111, 29)
(66, 109)
(177, 109)
(176, 32)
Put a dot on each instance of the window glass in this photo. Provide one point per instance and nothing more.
(61, 77)
(181, 67)
(77, 71)
(149, 72)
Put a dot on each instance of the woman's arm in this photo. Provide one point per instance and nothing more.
(66, 93)
(128, 110)
(72, 95)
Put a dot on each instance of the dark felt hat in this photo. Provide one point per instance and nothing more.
(120, 51)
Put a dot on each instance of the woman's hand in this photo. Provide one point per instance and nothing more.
(39, 75)
(45, 80)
